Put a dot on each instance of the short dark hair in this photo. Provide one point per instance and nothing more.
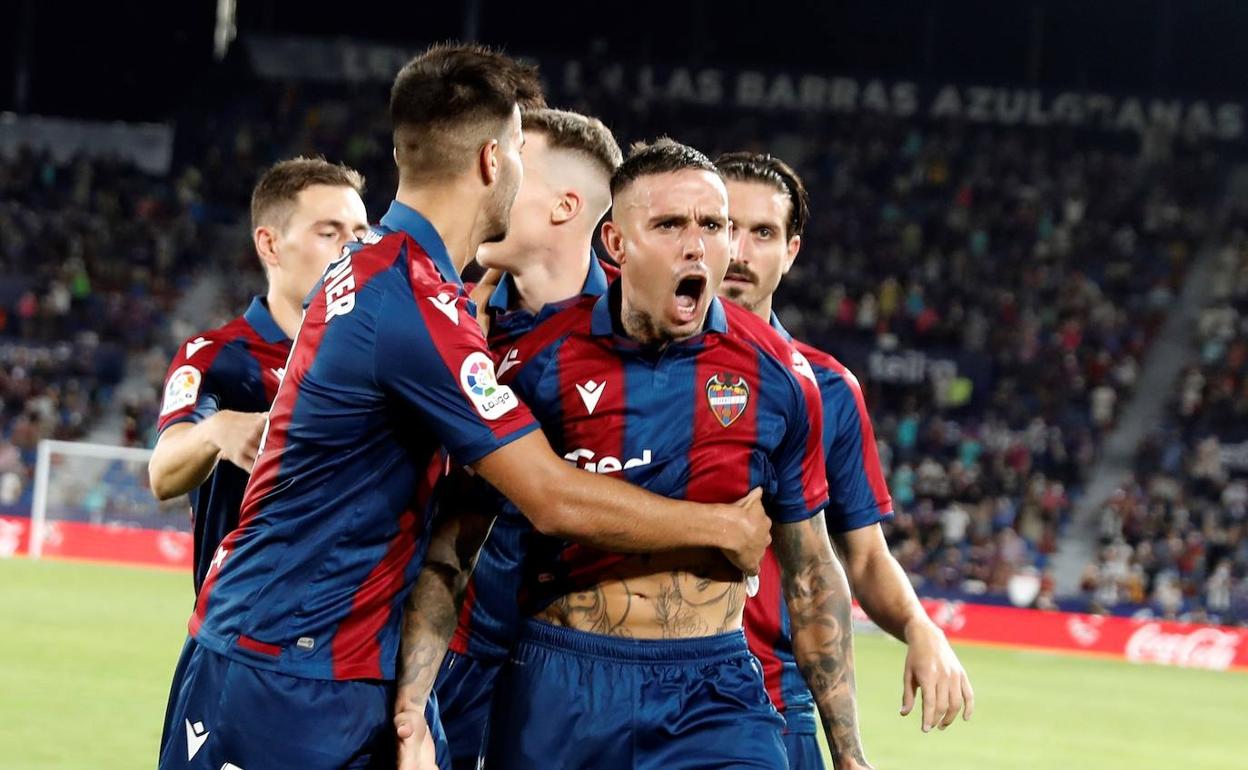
(767, 169)
(442, 95)
(274, 196)
(576, 132)
(662, 156)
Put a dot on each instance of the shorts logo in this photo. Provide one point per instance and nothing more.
(181, 390)
(476, 377)
(728, 395)
(196, 734)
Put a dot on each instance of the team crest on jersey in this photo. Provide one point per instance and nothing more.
(476, 377)
(181, 390)
(728, 395)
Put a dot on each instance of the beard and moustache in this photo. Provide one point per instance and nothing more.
(741, 272)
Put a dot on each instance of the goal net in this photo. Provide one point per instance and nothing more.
(92, 501)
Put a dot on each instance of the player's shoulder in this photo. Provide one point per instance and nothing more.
(546, 336)
(747, 327)
(576, 318)
(379, 249)
(825, 365)
(205, 347)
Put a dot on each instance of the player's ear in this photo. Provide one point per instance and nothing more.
(265, 240)
(567, 206)
(795, 245)
(487, 161)
(613, 241)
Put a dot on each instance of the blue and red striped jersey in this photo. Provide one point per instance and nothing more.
(388, 368)
(703, 419)
(858, 498)
(236, 367)
(490, 615)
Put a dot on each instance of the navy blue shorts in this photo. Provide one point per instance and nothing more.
(226, 714)
(804, 752)
(465, 688)
(569, 699)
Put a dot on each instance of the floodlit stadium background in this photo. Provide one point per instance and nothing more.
(1029, 240)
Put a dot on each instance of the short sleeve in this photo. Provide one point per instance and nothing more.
(801, 487)
(859, 493)
(432, 355)
(192, 384)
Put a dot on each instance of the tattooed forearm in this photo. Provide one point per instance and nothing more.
(817, 595)
(432, 608)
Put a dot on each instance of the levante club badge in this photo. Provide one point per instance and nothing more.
(728, 395)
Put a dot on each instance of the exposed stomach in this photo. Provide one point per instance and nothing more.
(675, 595)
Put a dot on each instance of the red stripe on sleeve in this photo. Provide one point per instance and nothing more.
(870, 450)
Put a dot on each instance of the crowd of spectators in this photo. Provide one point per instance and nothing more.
(93, 257)
(1175, 538)
(1024, 270)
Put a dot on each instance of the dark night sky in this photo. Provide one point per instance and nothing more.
(141, 59)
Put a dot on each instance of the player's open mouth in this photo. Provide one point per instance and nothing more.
(688, 294)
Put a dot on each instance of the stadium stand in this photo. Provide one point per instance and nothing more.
(995, 288)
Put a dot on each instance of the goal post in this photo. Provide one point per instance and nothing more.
(94, 501)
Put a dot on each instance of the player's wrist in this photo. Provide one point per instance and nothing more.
(920, 627)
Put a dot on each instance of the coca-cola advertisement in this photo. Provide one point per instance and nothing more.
(1217, 648)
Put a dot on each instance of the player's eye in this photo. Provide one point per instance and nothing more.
(329, 234)
(669, 225)
(763, 232)
(712, 226)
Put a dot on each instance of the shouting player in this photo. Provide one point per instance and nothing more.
(547, 255)
(296, 628)
(221, 382)
(639, 660)
(769, 207)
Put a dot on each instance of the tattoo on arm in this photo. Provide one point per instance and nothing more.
(817, 595)
(432, 609)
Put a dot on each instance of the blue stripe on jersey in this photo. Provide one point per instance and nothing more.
(671, 373)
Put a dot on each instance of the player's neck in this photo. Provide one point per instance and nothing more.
(287, 315)
(763, 309)
(456, 217)
(553, 276)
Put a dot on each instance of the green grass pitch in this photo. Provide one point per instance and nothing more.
(86, 652)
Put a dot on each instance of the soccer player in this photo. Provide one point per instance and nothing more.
(769, 207)
(549, 262)
(221, 382)
(635, 660)
(295, 630)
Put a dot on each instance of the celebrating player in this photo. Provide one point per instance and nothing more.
(768, 205)
(221, 382)
(547, 255)
(296, 626)
(629, 659)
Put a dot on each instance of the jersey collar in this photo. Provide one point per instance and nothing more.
(504, 295)
(412, 222)
(775, 324)
(602, 323)
(260, 319)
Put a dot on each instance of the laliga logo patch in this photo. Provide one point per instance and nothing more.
(728, 395)
(476, 377)
(182, 389)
